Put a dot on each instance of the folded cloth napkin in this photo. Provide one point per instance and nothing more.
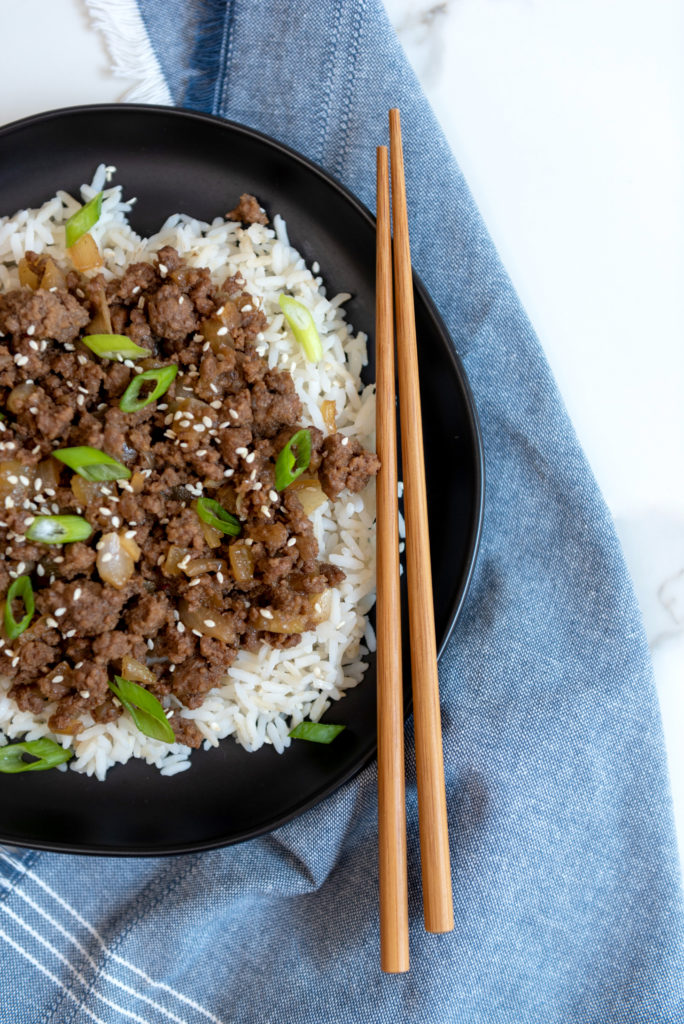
(566, 882)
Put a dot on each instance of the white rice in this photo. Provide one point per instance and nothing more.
(266, 693)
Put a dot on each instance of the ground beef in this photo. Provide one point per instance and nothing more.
(216, 433)
(41, 314)
(345, 463)
(248, 211)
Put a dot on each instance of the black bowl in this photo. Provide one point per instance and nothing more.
(179, 160)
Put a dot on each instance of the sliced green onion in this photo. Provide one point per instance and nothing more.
(48, 753)
(316, 732)
(303, 327)
(83, 220)
(144, 709)
(163, 376)
(111, 345)
(59, 529)
(290, 465)
(215, 515)
(92, 464)
(22, 590)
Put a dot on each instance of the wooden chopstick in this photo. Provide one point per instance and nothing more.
(394, 946)
(438, 908)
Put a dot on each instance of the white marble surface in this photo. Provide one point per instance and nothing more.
(566, 119)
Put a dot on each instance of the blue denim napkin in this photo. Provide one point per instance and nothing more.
(566, 881)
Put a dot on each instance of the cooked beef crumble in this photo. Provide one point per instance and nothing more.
(194, 597)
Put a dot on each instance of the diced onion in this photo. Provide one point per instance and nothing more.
(310, 493)
(115, 563)
(328, 410)
(222, 628)
(241, 561)
(285, 622)
(19, 397)
(136, 671)
(85, 254)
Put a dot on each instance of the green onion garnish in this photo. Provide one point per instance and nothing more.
(316, 732)
(59, 529)
(144, 709)
(22, 590)
(164, 375)
(92, 464)
(303, 327)
(290, 465)
(215, 515)
(48, 753)
(83, 220)
(109, 346)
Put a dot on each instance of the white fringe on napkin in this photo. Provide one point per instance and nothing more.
(130, 49)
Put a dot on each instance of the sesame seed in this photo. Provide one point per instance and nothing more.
(216, 404)
(222, 331)
(199, 427)
(20, 567)
(291, 542)
(210, 623)
(207, 421)
(85, 694)
(233, 414)
(170, 713)
(172, 668)
(40, 570)
(257, 486)
(219, 311)
(249, 542)
(13, 479)
(202, 451)
(273, 495)
(116, 522)
(247, 308)
(31, 330)
(70, 633)
(8, 502)
(195, 582)
(241, 451)
(222, 426)
(77, 593)
(252, 475)
(116, 702)
(219, 577)
(265, 512)
(150, 645)
(266, 614)
(106, 557)
(135, 290)
(57, 679)
(33, 409)
(25, 481)
(15, 661)
(184, 424)
(345, 441)
(180, 627)
(181, 300)
(33, 345)
(129, 534)
(196, 632)
(59, 612)
(163, 269)
(52, 623)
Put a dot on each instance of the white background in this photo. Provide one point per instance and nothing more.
(566, 119)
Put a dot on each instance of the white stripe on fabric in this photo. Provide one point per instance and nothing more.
(60, 956)
(51, 976)
(129, 47)
(93, 963)
(114, 956)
